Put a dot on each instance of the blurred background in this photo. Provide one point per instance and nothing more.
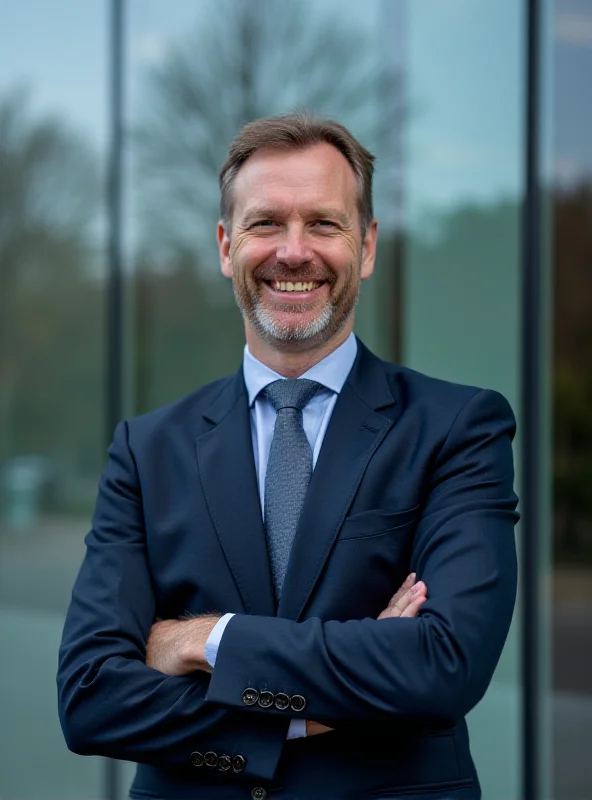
(115, 116)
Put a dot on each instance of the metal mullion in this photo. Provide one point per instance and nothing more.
(115, 278)
(532, 415)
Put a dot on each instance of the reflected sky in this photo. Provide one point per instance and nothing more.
(60, 50)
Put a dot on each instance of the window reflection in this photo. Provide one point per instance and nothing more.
(51, 371)
(221, 68)
(572, 256)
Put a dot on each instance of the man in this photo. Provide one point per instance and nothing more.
(237, 627)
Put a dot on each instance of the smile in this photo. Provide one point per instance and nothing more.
(298, 286)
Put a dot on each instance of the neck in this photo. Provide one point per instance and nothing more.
(292, 363)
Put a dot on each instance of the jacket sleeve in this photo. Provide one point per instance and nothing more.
(437, 665)
(110, 702)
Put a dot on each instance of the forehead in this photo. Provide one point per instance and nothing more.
(319, 173)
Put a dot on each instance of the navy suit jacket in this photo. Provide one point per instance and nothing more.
(414, 474)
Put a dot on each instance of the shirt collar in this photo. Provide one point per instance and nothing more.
(331, 372)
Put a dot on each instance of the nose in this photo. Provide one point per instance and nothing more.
(293, 250)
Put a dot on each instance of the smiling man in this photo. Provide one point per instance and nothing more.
(300, 578)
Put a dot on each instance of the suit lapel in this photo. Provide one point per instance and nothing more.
(354, 433)
(227, 470)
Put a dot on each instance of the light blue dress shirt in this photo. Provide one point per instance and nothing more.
(331, 373)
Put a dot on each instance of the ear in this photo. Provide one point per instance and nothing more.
(369, 250)
(224, 250)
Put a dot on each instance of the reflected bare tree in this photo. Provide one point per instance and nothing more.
(47, 205)
(245, 61)
(572, 377)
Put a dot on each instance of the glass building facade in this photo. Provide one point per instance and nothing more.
(114, 121)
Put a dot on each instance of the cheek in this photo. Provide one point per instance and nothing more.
(340, 253)
(345, 267)
(246, 255)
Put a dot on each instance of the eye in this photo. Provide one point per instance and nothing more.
(262, 223)
(325, 223)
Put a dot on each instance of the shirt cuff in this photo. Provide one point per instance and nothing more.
(214, 639)
(297, 729)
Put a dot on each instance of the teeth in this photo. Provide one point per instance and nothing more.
(299, 286)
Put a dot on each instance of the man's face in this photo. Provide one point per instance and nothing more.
(295, 252)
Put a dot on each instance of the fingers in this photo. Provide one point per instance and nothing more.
(407, 601)
(414, 606)
(405, 586)
(315, 728)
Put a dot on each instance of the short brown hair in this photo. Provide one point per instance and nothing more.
(294, 131)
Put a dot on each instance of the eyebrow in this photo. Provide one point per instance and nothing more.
(266, 212)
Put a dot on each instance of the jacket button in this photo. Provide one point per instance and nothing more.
(258, 793)
(197, 759)
(266, 699)
(224, 762)
(239, 763)
(282, 701)
(211, 759)
(250, 697)
(297, 703)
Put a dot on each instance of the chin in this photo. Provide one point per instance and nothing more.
(275, 329)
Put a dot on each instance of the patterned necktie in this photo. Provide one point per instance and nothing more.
(288, 471)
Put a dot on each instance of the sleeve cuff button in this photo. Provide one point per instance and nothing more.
(250, 697)
(239, 763)
(282, 701)
(224, 763)
(266, 699)
(297, 703)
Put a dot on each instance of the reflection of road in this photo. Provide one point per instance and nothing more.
(572, 648)
(37, 570)
(572, 743)
(572, 707)
(38, 567)
(34, 761)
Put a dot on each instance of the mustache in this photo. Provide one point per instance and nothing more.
(282, 272)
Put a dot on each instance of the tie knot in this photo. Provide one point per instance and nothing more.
(291, 393)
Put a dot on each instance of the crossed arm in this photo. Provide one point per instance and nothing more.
(177, 647)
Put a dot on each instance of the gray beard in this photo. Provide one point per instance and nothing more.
(271, 331)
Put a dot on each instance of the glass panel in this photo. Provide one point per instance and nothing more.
(463, 183)
(51, 368)
(572, 257)
(198, 73)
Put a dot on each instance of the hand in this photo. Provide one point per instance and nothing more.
(407, 600)
(178, 646)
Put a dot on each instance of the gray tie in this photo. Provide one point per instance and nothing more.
(288, 471)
